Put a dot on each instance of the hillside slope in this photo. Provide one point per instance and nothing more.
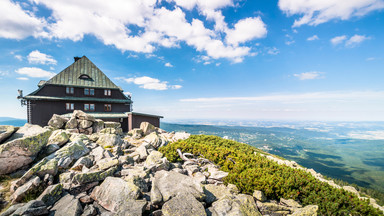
(249, 169)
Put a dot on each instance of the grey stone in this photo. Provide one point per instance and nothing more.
(290, 203)
(109, 140)
(147, 128)
(89, 210)
(83, 124)
(112, 125)
(22, 147)
(168, 184)
(241, 205)
(29, 187)
(117, 195)
(67, 206)
(57, 121)
(183, 204)
(216, 192)
(309, 210)
(33, 207)
(98, 125)
(83, 116)
(51, 194)
(72, 123)
(259, 195)
(51, 148)
(6, 131)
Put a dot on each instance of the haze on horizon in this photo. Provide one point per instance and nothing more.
(217, 59)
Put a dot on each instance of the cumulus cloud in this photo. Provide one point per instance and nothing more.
(22, 78)
(272, 51)
(315, 12)
(35, 72)
(36, 57)
(351, 42)
(146, 82)
(246, 30)
(356, 40)
(338, 39)
(309, 75)
(358, 95)
(16, 23)
(18, 57)
(312, 38)
(138, 26)
(168, 64)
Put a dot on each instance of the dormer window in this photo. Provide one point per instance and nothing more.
(85, 77)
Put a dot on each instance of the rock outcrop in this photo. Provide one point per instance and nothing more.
(22, 147)
(106, 172)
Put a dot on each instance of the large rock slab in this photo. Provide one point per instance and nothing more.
(119, 196)
(70, 152)
(51, 194)
(30, 187)
(183, 204)
(22, 147)
(67, 206)
(240, 205)
(306, 211)
(33, 207)
(83, 116)
(93, 176)
(147, 128)
(58, 137)
(109, 140)
(6, 131)
(166, 185)
(216, 192)
(57, 121)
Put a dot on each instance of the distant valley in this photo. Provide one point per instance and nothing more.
(352, 151)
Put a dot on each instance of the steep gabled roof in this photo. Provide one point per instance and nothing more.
(82, 73)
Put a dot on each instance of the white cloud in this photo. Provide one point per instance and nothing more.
(168, 64)
(314, 12)
(309, 75)
(338, 39)
(356, 40)
(312, 38)
(273, 51)
(176, 87)
(36, 57)
(3, 73)
(17, 23)
(351, 42)
(18, 57)
(246, 30)
(146, 82)
(139, 26)
(35, 72)
(370, 59)
(22, 78)
(290, 42)
(357, 95)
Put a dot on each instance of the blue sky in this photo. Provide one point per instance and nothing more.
(217, 59)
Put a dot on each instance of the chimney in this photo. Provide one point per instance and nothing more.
(76, 58)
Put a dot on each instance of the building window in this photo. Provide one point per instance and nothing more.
(69, 90)
(107, 107)
(107, 92)
(88, 91)
(69, 106)
(89, 107)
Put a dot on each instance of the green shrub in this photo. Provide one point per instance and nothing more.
(250, 171)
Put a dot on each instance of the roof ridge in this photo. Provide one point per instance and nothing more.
(71, 75)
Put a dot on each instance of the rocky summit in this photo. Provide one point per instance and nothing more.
(84, 166)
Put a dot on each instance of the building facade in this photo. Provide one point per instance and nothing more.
(83, 86)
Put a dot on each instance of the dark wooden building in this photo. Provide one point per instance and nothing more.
(83, 86)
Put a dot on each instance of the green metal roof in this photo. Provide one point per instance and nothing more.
(70, 76)
(37, 97)
(101, 115)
